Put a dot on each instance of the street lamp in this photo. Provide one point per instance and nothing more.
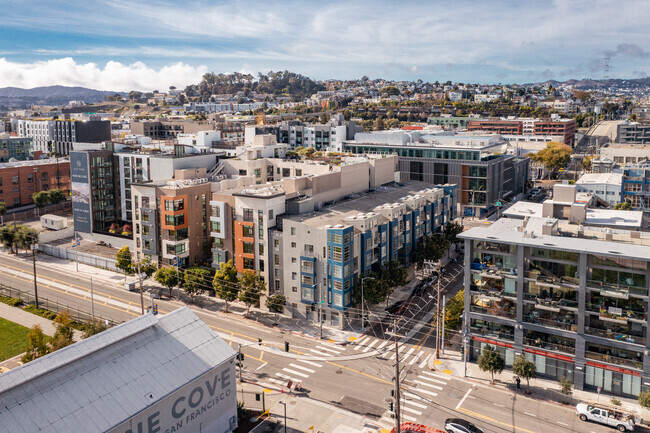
(285, 415)
(363, 321)
(34, 261)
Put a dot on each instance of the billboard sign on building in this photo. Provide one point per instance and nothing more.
(80, 186)
(207, 403)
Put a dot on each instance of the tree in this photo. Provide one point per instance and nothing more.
(8, 237)
(307, 152)
(644, 398)
(523, 367)
(168, 277)
(626, 205)
(291, 154)
(36, 344)
(432, 247)
(554, 156)
(94, 326)
(394, 275)
(3, 211)
(41, 199)
(451, 232)
(565, 386)
(454, 311)
(196, 280)
(25, 237)
(64, 334)
(225, 282)
(135, 95)
(586, 163)
(379, 124)
(491, 361)
(56, 196)
(275, 303)
(252, 287)
(124, 261)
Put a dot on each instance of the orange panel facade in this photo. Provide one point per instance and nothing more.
(240, 238)
(164, 212)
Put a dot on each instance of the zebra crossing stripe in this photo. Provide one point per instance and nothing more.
(408, 409)
(300, 367)
(382, 345)
(417, 397)
(329, 349)
(297, 373)
(320, 353)
(368, 347)
(409, 418)
(424, 362)
(310, 363)
(434, 377)
(412, 403)
(424, 391)
(428, 384)
(415, 359)
(293, 379)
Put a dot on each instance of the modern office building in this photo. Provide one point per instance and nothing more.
(67, 132)
(168, 129)
(19, 180)
(496, 126)
(17, 148)
(451, 122)
(564, 129)
(478, 164)
(606, 186)
(572, 297)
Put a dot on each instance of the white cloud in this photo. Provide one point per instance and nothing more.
(113, 76)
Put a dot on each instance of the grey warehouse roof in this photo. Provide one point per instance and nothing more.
(99, 382)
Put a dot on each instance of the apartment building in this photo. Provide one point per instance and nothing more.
(522, 129)
(478, 164)
(451, 122)
(496, 126)
(570, 296)
(171, 218)
(19, 180)
(67, 132)
(633, 133)
(40, 130)
(17, 148)
(606, 186)
(168, 129)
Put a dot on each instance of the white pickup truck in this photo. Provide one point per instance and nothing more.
(606, 414)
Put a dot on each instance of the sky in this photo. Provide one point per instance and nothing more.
(123, 45)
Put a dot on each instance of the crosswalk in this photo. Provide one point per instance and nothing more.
(414, 402)
(300, 370)
(410, 356)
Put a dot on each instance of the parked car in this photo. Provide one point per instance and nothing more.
(458, 425)
(396, 308)
(603, 413)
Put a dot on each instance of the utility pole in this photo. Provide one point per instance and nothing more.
(438, 313)
(141, 295)
(397, 399)
(34, 261)
(240, 360)
(442, 320)
(92, 299)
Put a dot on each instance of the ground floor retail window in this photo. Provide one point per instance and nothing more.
(506, 353)
(551, 367)
(612, 382)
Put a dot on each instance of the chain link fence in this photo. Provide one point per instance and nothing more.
(81, 257)
(35, 214)
(52, 305)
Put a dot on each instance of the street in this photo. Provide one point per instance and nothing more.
(357, 376)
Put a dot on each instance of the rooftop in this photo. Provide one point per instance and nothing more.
(600, 178)
(33, 162)
(97, 383)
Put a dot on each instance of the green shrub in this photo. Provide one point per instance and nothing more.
(14, 302)
(40, 312)
(615, 401)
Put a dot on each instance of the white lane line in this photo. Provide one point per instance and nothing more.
(297, 373)
(430, 379)
(428, 385)
(563, 423)
(530, 414)
(423, 363)
(368, 347)
(320, 353)
(500, 405)
(310, 363)
(382, 344)
(415, 359)
(412, 403)
(424, 391)
(408, 409)
(359, 343)
(300, 367)
(329, 349)
(462, 400)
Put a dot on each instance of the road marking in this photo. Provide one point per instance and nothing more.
(329, 349)
(293, 379)
(408, 418)
(432, 380)
(415, 359)
(428, 384)
(424, 391)
(412, 403)
(497, 404)
(276, 381)
(368, 347)
(423, 363)
(300, 367)
(530, 414)
(297, 373)
(320, 353)
(462, 400)
(310, 363)
(408, 409)
(382, 344)
(411, 350)
(563, 423)
(357, 344)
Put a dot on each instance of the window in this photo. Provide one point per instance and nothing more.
(346, 255)
(276, 243)
(309, 248)
(293, 231)
(307, 280)
(337, 271)
(294, 275)
(293, 260)
(248, 215)
(294, 289)
(247, 231)
(308, 294)
(30, 178)
(175, 249)
(174, 205)
(293, 245)
(248, 248)
(270, 214)
(44, 176)
(307, 266)
(215, 226)
(175, 220)
(14, 180)
(337, 299)
(276, 259)
(249, 264)
(338, 254)
(337, 239)
(261, 248)
(216, 211)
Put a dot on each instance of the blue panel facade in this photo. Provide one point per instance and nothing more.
(307, 291)
(340, 259)
(366, 251)
(383, 244)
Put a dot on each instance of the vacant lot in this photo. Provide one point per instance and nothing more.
(13, 337)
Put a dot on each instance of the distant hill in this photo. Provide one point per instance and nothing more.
(50, 95)
(610, 83)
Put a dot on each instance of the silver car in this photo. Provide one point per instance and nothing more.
(457, 425)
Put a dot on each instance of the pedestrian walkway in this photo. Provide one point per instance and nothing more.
(27, 319)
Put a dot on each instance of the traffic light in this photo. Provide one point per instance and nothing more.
(392, 393)
(390, 406)
(240, 356)
(286, 346)
(259, 341)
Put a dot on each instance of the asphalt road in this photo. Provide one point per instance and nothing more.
(357, 377)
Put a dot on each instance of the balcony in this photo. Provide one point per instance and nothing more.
(553, 320)
(616, 360)
(547, 305)
(495, 272)
(556, 346)
(551, 281)
(620, 291)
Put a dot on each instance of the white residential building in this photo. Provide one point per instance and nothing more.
(41, 131)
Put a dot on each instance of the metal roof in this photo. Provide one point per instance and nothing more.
(99, 382)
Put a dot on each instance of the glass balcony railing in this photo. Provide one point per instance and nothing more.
(620, 290)
(611, 359)
(551, 280)
(508, 312)
(550, 345)
(554, 322)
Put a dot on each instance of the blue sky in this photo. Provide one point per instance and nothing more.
(124, 45)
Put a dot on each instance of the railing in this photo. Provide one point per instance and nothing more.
(494, 311)
(553, 280)
(615, 290)
(614, 335)
(611, 359)
(492, 334)
(547, 345)
(554, 323)
(54, 306)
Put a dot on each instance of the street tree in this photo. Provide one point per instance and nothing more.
(36, 344)
(124, 261)
(626, 205)
(252, 287)
(524, 367)
(56, 196)
(394, 274)
(225, 282)
(644, 398)
(430, 248)
(275, 303)
(451, 232)
(454, 311)
(41, 199)
(94, 326)
(196, 281)
(147, 267)
(3, 211)
(168, 277)
(375, 289)
(25, 237)
(553, 157)
(64, 333)
(566, 387)
(491, 361)
(8, 237)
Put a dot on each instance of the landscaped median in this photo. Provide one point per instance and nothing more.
(13, 337)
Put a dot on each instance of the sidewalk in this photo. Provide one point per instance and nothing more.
(541, 389)
(26, 319)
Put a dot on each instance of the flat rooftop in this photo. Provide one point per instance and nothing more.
(600, 178)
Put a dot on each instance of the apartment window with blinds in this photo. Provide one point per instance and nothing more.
(248, 215)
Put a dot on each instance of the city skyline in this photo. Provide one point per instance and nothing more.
(122, 46)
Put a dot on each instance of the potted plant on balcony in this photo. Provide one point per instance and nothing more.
(113, 228)
(127, 230)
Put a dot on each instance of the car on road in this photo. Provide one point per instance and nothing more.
(458, 425)
(396, 308)
(602, 413)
